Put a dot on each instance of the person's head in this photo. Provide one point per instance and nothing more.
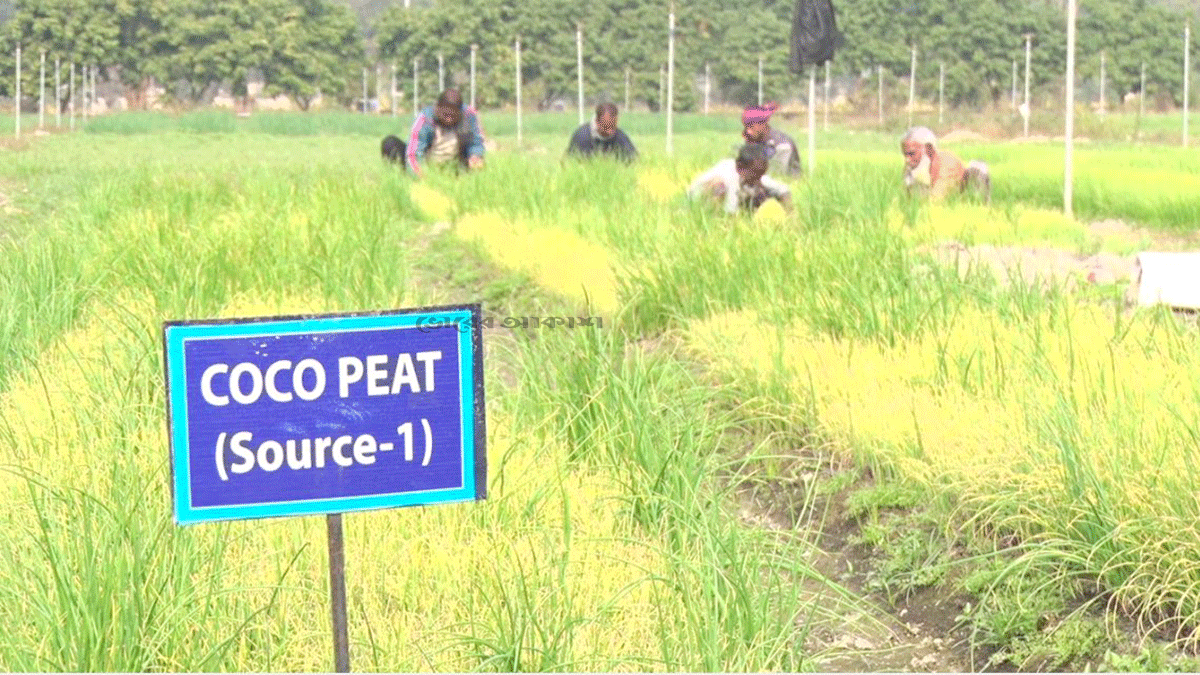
(606, 120)
(449, 108)
(919, 145)
(756, 122)
(751, 163)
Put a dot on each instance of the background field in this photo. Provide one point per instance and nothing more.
(1052, 426)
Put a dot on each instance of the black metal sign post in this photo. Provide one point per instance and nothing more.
(337, 594)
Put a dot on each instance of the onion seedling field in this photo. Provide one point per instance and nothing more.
(662, 488)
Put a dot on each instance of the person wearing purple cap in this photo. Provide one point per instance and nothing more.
(781, 149)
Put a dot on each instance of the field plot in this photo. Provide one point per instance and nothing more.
(826, 441)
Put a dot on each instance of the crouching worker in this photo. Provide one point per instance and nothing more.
(602, 137)
(448, 133)
(781, 149)
(741, 184)
(938, 173)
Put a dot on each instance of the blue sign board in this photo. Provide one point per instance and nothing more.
(288, 416)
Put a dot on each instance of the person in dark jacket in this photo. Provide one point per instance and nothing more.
(601, 136)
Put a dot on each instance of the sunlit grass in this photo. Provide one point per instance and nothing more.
(559, 260)
(978, 224)
(660, 186)
(1073, 425)
(770, 212)
(433, 205)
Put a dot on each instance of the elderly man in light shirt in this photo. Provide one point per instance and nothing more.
(938, 173)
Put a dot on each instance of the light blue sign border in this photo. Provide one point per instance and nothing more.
(474, 460)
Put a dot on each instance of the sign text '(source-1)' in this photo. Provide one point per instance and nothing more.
(308, 453)
(245, 382)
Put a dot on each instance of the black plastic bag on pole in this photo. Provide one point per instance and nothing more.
(815, 36)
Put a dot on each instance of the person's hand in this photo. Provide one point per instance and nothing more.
(475, 162)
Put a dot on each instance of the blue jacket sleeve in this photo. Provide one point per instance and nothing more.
(419, 140)
(476, 148)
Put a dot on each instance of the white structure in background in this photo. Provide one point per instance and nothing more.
(1171, 279)
(156, 96)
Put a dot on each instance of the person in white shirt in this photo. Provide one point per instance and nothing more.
(742, 183)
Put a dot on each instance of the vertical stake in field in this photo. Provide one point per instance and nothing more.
(670, 78)
(441, 74)
(825, 99)
(17, 99)
(912, 84)
(1069, 132)
(880, 69)
(1028, 111)
(812, 119)
(517, 47)
(42, 92)
(941, 90)
(626, 87)
(337, 593)
(1014, 85)
(707, 85)
(1141, 103)
(474, 49)
(379, 88)
(1103, 107)
(1187, 76)
(579, 65)
(760, 80)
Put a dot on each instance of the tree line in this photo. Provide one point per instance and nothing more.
(303, 47)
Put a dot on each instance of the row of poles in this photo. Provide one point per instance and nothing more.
(1026, 103)
(395, 96)
(89, 92)
(708, 86)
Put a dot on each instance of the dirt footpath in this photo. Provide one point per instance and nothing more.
(1060, 267)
